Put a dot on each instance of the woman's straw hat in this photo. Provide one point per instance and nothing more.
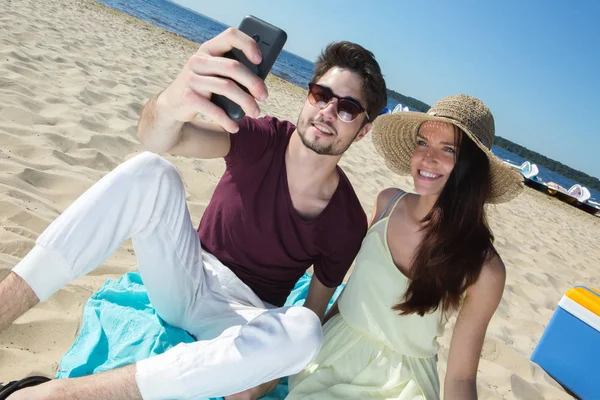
(394, 137)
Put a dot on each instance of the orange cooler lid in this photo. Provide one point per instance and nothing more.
(588, 298)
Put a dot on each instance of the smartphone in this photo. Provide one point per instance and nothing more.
(270, 40)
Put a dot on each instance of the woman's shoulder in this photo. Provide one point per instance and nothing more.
(494, 267)
(491, 278)
(389, 194)
(384, 200)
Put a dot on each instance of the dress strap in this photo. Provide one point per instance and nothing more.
(392, 203)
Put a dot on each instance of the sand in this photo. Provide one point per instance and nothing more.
(74, 76)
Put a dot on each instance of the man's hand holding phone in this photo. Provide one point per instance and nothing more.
(207, 72)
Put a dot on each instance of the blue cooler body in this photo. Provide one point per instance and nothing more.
(569, 349)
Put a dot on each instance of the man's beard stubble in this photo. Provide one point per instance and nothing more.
(335, 148)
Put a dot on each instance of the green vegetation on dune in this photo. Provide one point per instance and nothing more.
(580, 177)
(407, 101)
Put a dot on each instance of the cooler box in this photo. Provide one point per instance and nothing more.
(569, 349)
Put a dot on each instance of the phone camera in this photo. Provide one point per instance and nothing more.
(256, 38)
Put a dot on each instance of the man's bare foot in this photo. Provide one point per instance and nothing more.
(255, 392)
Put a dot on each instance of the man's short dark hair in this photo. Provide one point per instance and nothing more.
(357, 59)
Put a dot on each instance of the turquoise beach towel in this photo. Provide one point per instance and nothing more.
(120, 327)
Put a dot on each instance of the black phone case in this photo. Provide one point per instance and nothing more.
(270, 40)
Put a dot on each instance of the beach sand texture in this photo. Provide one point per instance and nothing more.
(74, 76)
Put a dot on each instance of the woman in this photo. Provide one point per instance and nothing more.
(426, 255)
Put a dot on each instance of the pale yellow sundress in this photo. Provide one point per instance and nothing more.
(370, 351)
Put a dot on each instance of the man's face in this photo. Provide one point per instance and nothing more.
(321, 129)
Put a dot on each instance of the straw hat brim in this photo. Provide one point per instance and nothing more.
(394, 138)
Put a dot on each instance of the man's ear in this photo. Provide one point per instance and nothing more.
(363, 132)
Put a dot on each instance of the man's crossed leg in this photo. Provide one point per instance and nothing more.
(242, 343)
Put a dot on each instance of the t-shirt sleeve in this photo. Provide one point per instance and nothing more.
(331, 267)
(254, 137)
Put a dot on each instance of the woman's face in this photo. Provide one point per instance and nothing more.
(434, 157)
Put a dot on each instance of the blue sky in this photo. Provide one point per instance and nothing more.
(534, 62)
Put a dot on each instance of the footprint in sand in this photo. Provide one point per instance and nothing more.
(24, 37)
(60, 186)
(554, 282)
(59, 142)
(136, 107)
(91, 98)
(16, 247)
(93, 126)
(126, 113)
(504, 307)
(524, 390)
(19, 56)
(10, 85)
(57, 60)
(535, 279)
(33, 106)
(38, 179)
(20, 231)
(59, 333)
(14, 207)
(21, 71)
(25, 198)
(25, 117)
(82, 66)
(27, 65)
(54, 100)
(97, 161)
(511, 247)
(139, 81)
(107, 83)
(118, 146)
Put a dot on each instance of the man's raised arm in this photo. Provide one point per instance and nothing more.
(167, 125)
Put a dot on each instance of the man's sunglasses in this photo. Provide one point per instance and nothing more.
(347, 109)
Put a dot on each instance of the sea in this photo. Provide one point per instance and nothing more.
(199, 28)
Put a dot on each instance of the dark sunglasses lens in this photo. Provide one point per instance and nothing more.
(348, 110)
(319, 94)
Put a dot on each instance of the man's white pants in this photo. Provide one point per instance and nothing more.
(241, 341)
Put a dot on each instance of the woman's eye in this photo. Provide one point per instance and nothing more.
(421, 142)
(449, 150)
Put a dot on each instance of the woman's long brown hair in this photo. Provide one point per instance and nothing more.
(456, 241)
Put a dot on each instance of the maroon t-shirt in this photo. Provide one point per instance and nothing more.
(250, 224)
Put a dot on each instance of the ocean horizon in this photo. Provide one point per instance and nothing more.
(297, 70)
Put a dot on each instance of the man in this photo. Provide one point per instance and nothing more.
(281, 206)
